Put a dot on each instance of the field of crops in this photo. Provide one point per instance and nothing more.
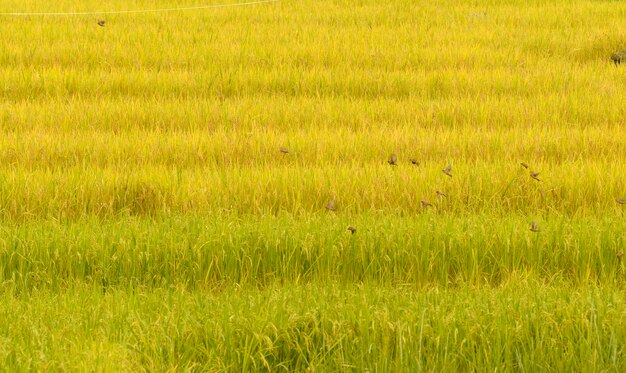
(176, 187)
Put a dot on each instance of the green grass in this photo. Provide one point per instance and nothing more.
(515, 326)
(149, 222)
(206, 252)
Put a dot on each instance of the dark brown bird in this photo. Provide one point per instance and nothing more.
(441, 194)
(101, 23)
(352, 229)
(618, 57)
(426, 204)
(525, 165)
(448, 170)
(331, 205)
(621, 201)
(283, 150)
(393, 160)
(534, 175)
(413, 161)
(534, 227)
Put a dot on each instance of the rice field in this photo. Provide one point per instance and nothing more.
(176, 187)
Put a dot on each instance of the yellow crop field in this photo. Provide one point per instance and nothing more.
(302, 185)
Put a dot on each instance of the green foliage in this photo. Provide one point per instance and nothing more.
(520, 325)
(206, 252)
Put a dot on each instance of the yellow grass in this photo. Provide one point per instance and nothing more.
(141, 159)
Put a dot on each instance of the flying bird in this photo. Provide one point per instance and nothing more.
(352, 229)
(448, 170)
(534, 227)
(101, 23)
(393, 160)
(331, 205)
(534, 175)
(283, 150)
(441, 194)
(413, 161)
(525, 165)
(621, 201)
(426, 204)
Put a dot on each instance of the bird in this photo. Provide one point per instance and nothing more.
(621, 201)
(448, 170)
(283, 150)
(525, 165)
(426, 204)
(352, 229)
(534, 175)
(618, 57)
(331, 205)
(393, 160)
(413, 161)
(620, 255)
(441, 194)
(534, 227)
(101, 23)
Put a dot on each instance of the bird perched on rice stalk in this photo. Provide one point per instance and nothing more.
(331, 205)
(534, 175)
(393, 160)
(619, 57)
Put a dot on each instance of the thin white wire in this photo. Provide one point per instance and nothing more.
(18, 14)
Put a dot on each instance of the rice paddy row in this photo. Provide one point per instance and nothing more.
(515, 326)
(73, 193)
(205, 252)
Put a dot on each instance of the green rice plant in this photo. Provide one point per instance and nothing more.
(216, 251)
(521, 325)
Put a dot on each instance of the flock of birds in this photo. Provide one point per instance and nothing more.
(617, 58)
(393, 161)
